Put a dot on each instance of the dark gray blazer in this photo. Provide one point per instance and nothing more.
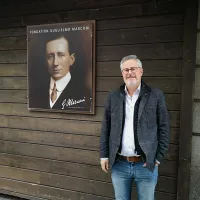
(152, 127)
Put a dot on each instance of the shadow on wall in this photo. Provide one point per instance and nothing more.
(8, 197)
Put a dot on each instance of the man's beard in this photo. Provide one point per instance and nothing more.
(131, 83)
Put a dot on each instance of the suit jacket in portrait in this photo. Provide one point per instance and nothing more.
(73, 98)
(151, 125)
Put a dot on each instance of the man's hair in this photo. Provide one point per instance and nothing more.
(57, 37)
(130, 57)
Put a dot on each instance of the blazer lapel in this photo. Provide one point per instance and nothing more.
(144, 95)
(121, 106)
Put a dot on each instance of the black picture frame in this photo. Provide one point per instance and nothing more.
(78, 96)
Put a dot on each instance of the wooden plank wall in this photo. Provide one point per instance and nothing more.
(56, 156)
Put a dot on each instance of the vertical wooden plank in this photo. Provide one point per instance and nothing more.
(188, 72)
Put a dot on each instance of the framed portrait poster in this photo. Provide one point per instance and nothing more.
(61, 67)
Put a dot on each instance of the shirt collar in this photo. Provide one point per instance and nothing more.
(61, 83)
(136, 92)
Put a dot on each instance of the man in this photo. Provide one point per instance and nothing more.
(135, 133)
(61, 90)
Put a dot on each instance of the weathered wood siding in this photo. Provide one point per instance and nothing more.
(56, 156)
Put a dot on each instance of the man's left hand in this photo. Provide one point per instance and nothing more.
(145, 164)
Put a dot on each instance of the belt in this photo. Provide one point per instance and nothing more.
(131, 158)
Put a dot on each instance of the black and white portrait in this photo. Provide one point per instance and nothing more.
(61, 67)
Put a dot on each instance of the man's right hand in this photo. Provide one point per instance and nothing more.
(104, 165)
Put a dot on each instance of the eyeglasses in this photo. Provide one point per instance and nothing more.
(132, 69)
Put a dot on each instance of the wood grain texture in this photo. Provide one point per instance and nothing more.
(140, 35)
(13, 70)
(21, 110)
(21, 196)
(129, 36)
(134, 10)
(143, 51)
(62, 153)
(62, 139)
(103, 84)
(10, 43)
(74, 183)
(55, 156)
(101, 9)
(168, 168)
(12, 32)
(172, 100)
(166, 84)
(90, 14)
(88, 142)
(186, 121)
(19, 56)
(144, 21)
(20, 96)
(33, 191)
(8, 22)
(114, 53)
(14, 96)
(54, 125)
(153, 68)
(58, 194)
(13, 83)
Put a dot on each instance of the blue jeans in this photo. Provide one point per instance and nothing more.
(123, 174)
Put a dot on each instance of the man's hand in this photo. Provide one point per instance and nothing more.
(145, 164)
(104, 165)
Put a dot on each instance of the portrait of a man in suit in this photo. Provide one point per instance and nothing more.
(57, 80)
(59, 60)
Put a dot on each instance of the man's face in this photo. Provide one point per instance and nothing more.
(131, 73)
(58, 58)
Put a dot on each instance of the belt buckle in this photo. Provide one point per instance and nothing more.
(128, 159)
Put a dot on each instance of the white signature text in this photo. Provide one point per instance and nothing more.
(71, 102)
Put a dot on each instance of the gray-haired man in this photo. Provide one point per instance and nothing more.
(135, 133)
